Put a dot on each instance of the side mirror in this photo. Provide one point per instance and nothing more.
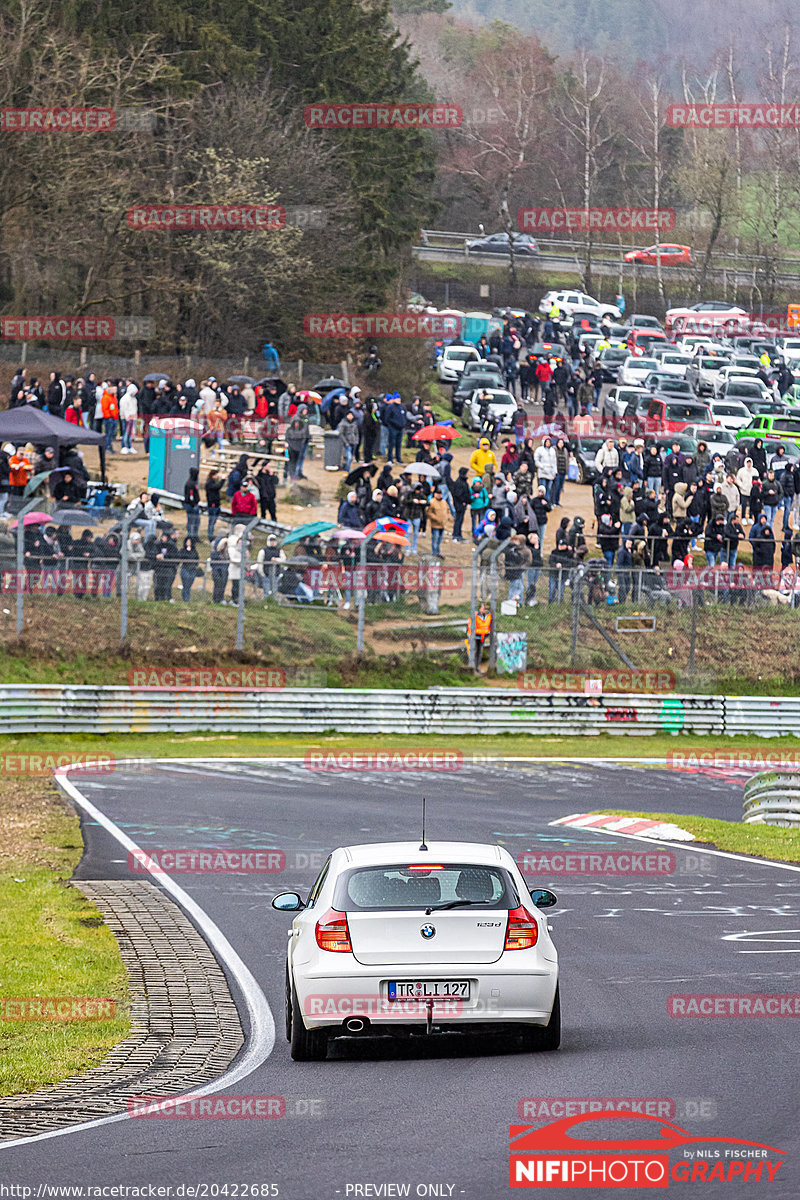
(288, 902)
(543, 898)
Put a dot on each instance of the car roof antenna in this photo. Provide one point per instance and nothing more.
(422, 845)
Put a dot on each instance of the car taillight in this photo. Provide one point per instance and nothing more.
(332, 933)
(522, 931)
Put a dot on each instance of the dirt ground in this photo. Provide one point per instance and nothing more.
(576, 499)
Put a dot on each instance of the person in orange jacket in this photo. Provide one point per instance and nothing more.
(483, 630)
(20, 469)
(110, 410)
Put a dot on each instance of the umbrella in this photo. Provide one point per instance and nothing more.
(280, 384)
(32, 484)
(422, 468)
(387, 525)
(33, 518)
(315, 396)
(156, 377)
(74, 516)
(357, 472)
(351, 535)
(325, 385)
(307, 530)
(396, 539)
(435, 433)
(242, 379)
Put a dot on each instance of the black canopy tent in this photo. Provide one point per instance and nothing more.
(31, 424)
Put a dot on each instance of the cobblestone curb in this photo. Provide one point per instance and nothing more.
(185, 1028)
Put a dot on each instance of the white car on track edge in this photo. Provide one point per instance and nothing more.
(397, 939)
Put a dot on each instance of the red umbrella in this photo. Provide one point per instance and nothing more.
(396, 539)
(435, 433)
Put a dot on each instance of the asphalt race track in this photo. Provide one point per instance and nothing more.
(434, 1113)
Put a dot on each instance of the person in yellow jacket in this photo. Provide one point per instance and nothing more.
(483, 630)
(483, 459)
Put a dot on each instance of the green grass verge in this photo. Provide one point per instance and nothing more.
(53, 942)
(760, 841)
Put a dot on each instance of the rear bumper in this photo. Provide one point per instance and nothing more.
(497, 996)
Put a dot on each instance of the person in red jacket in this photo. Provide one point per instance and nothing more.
(244, 503)
(73, 412)
(544, 373)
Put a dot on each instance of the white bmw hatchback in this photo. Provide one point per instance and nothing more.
(395, 939)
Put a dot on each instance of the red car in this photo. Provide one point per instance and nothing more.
(672, 416)
(670, 255)
(642, 341)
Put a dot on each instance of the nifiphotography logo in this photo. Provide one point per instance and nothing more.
(564, 1155)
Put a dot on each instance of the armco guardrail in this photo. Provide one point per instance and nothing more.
(773, 798)
(764, 716)
(59, 709)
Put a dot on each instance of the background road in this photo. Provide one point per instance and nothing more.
(438, 1111)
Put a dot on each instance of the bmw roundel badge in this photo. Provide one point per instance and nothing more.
(428, 931)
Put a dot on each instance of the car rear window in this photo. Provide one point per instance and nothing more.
(674, 385)
(415, 885)
(460, 355)
(745, 389)
(730, 410)
(782, 425)
(687, 412)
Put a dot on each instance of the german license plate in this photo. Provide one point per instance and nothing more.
(428, 989)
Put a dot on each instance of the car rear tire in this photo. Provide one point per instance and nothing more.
(305, 1045)
(287, 1007)
(545, 1037)
(581, 473)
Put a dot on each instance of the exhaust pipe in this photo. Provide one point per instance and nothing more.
(355, 1024)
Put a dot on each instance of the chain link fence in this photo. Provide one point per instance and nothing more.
(95, 582)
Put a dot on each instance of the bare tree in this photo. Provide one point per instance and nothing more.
(585, 109)
(497, 152)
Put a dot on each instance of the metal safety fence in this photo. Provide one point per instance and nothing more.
(99, 581)
(315, 710)
(773, 798)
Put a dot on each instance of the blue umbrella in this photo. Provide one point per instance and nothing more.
(308, 530)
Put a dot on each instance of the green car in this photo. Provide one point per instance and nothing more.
(772, 427)
(793, 395)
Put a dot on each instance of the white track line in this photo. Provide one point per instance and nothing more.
(261, 1038)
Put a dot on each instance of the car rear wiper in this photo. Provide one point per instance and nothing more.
(451, 904)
